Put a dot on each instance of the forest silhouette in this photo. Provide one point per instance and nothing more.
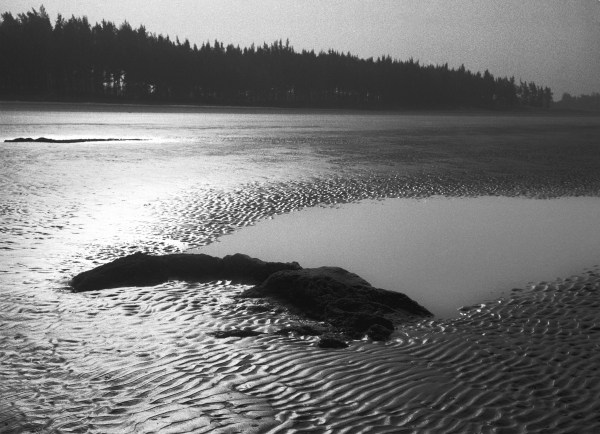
(581, 102)
(73, 60)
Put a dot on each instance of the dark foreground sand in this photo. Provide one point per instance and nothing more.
(528, 363)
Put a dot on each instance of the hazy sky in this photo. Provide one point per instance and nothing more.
(555, 43)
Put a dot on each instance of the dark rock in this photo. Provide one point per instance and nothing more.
(350, 305)
(339, 297)
(379, 333)
(302, 330)
(141, 269)
(244, 269)
(259, 308)
(47, 140)
(331, 342)
(362, 321)
(235, 333)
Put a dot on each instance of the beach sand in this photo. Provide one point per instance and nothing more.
(148, 360)
(527, 363)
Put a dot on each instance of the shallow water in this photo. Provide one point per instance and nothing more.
(444, 253)
(143, 359)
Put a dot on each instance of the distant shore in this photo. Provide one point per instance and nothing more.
(155, 106)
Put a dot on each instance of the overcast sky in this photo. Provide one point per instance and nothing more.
(555, 43)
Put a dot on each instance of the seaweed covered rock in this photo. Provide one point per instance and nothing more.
(378, 332)
(302, 330)
(341, 298)
(332, 342)
(141, 269)
(350, 305)
(235, 333)
(47, 140)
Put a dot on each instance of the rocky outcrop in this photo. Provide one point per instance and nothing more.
(236, 333)
(341, 298)
(348, 303)
(141, 269)
(47, 140)
(332, 342)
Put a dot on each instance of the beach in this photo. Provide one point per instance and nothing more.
(147, 359)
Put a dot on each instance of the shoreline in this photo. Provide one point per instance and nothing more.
(144, 106)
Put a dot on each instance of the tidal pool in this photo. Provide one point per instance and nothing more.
(443, 252)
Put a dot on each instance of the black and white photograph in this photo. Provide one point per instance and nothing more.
(309, 216)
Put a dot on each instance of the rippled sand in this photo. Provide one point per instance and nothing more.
(146, 359)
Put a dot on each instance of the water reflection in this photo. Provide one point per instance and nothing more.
(444, 252)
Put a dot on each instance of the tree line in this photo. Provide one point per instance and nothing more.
(581, 102)
(73, 59)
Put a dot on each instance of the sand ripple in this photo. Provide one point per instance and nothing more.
(145, 360)
(525, 364)
(199, 217)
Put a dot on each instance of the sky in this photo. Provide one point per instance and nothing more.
(555, 43)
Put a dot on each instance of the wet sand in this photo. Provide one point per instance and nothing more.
(150, 360)
(526, 363)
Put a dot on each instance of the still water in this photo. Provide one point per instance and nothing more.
(197, 174)
(78, 362)
(443, 252)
